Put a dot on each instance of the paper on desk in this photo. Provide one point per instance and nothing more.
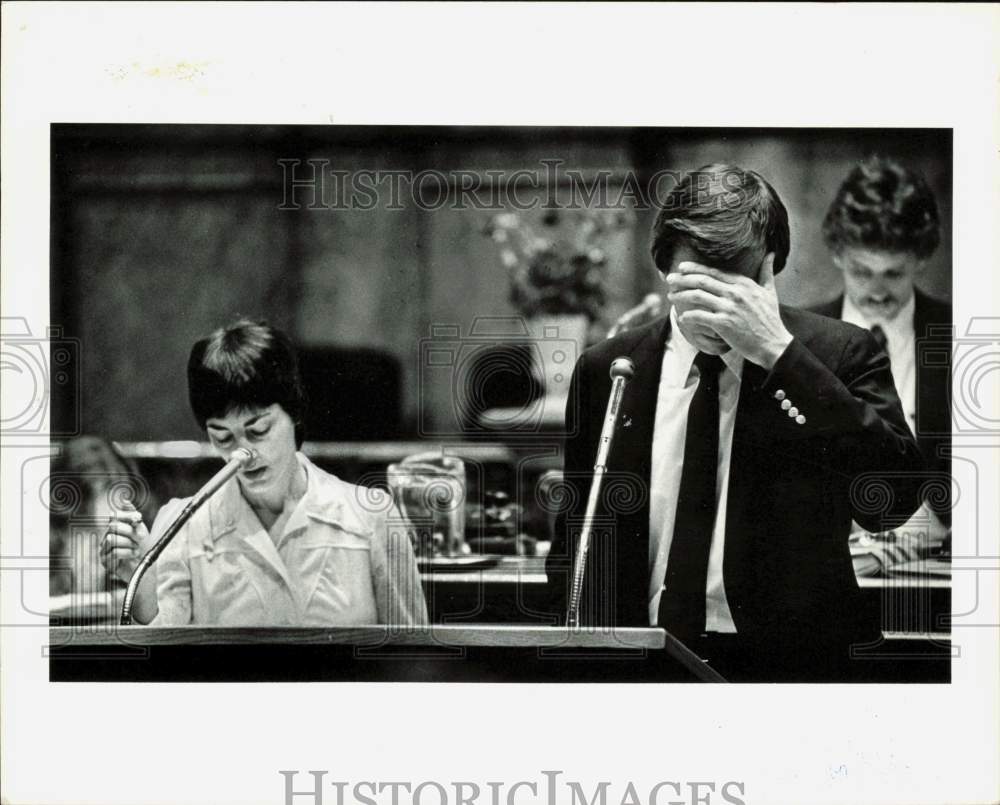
(80, 606)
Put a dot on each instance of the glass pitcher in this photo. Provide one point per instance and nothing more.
(430, 491)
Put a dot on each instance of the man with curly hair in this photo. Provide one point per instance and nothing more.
(881, 228)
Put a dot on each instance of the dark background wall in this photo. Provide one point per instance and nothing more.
(162, 233)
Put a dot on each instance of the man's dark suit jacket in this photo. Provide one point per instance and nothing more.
(793, 488)
(932, 327)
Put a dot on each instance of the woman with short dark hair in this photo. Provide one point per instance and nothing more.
(282, 543)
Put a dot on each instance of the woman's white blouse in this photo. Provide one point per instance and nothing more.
(344, 558)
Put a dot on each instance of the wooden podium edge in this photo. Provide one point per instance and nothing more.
(485, 635)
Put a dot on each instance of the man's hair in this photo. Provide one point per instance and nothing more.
(728, 216)
(245, 365)
(883, 206)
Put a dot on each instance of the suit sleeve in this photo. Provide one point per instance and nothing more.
(578, 465)
(857, 412)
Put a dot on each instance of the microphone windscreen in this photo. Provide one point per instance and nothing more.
(244, 455)
(622, 367)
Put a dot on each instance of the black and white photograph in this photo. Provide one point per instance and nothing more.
(605, 415)
(607, 392)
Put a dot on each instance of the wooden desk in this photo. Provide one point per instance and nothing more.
(513, 591)
(915, 613)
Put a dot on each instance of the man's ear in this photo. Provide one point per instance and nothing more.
(765, 277)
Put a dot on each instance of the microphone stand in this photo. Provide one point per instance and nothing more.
(238, 459)
(622, 370)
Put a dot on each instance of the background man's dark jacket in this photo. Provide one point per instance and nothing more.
(932, 327)
(793, 487)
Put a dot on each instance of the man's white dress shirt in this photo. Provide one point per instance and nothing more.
(678, 382)
(901, 348)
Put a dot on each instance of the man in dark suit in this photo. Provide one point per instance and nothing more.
(749, 437)
(881, 228)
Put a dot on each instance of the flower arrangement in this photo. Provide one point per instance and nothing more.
(559, 269)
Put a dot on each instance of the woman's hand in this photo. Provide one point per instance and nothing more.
(125, 542)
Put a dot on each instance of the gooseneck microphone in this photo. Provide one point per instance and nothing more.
(238, 459)
(622, 370)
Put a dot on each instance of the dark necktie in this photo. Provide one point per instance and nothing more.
(682, 605)
(879, 335)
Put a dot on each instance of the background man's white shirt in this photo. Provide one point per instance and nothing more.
(900, 344)
(924, 526)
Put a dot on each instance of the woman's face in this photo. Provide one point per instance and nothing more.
(270, 433)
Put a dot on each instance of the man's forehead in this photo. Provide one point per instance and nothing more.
(877, 261)
(748, 265)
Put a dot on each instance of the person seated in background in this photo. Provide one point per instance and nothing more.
(282, 543)
(87, 474)
(881, 229)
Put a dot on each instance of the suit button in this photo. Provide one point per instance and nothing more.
(793, 412)
(800, 420)
(779, 394)
(786, 404)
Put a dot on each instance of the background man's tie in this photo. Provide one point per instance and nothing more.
(879, 334)
(682, 605)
